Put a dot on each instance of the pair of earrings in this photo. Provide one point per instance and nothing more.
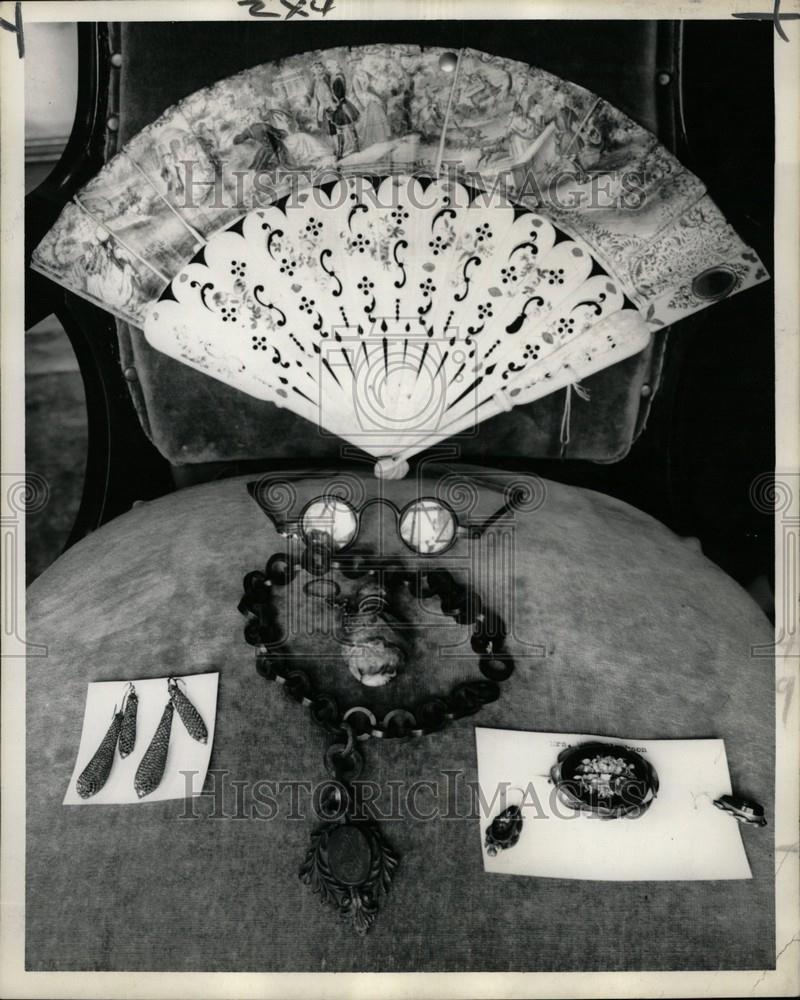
(122, 733)
(151, 767)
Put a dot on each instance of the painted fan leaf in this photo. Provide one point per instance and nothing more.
(382, 110)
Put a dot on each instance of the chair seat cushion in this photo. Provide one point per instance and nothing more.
(619, 629)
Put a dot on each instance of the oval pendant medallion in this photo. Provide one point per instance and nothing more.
(349, 855)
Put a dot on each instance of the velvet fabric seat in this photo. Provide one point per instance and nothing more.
(620, 629)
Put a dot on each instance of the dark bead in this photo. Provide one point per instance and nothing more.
(441, 582)
(432, 714)
(257, 633)
(466, 609)
(324, 710)
(485, 691)
(281, 666)
(452, 599)
(480, 644)
(463, 702)
(361, 720)
(353, 565)
(265, 611)
(398, 723)
(393, 574)
(394, 582)
(265, 666)
(498, 667)
(280, 569)
(298, 684)
(252, 633)
(253, 580)
(245, 606)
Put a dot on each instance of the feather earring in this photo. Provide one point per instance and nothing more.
(127, 733)
(189, 715)
(96, 772)
(151, 767)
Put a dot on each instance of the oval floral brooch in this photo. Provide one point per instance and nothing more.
(604, 779)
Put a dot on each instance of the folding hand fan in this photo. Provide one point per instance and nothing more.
(396, 243)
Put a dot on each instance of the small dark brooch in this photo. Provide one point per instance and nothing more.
(504, 830)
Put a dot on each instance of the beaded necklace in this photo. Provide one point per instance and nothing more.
(349, 862)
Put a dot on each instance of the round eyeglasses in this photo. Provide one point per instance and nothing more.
(427, 526)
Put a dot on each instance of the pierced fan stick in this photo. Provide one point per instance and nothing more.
(432, 258)
(190, 228)
(119, 239)
(393, 321)
(446, 123)
(565, 367)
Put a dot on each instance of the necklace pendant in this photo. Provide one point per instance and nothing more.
(349, 863)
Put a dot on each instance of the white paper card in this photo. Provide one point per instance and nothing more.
(184, 754)
(683, 835)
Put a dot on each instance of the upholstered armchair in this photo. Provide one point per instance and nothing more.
(624, 629)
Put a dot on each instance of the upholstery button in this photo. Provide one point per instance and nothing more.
(130, 374)
(116, 59)
(664, 79)
(112, 124)
(646, 390)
